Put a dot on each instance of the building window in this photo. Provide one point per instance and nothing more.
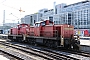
(51, 18)
(31, 20)
(75, 23)
(34, 21)
(40, 15)
(55, 10)
(84, 23)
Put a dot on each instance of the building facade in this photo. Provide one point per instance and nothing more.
(22, 20)
(42, 14)
(77, 14)
(48, 15)
(37, 17)
(31, 19)
(28, 19)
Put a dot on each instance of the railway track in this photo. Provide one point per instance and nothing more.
(28, 53)
(50, 53)
(82, 53)
(41, 53)
(9, 56)
(71, 53)
(14, 53)
(74, 54)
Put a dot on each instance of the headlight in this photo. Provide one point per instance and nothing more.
(76, 39)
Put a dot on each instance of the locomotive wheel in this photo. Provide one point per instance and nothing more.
(34, 42)
(51, 44)
(28, 40)
(66, 46)
(12, 40)
(56, 44)
(76, 47)
(19, 40)
(44, 42)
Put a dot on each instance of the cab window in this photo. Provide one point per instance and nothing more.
(37, 25)
(42, 23)
(20, 26)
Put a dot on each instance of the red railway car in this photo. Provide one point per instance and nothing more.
(32, 31)
(86, 33)
(47, 34)
(14, 31)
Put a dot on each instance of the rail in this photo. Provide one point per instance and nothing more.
(42, 53)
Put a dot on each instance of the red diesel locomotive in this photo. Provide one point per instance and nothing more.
(47, 34)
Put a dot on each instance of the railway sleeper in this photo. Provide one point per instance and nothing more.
(31, 41)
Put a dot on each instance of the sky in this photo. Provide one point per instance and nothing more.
(29, 6)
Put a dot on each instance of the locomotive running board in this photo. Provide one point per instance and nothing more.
(42, 37)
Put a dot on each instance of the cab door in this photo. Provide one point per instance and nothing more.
(37, 29)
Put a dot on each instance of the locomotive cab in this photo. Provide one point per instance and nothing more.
(40, 27)
(23, 29)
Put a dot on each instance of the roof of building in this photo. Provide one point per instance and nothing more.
(76, 3)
